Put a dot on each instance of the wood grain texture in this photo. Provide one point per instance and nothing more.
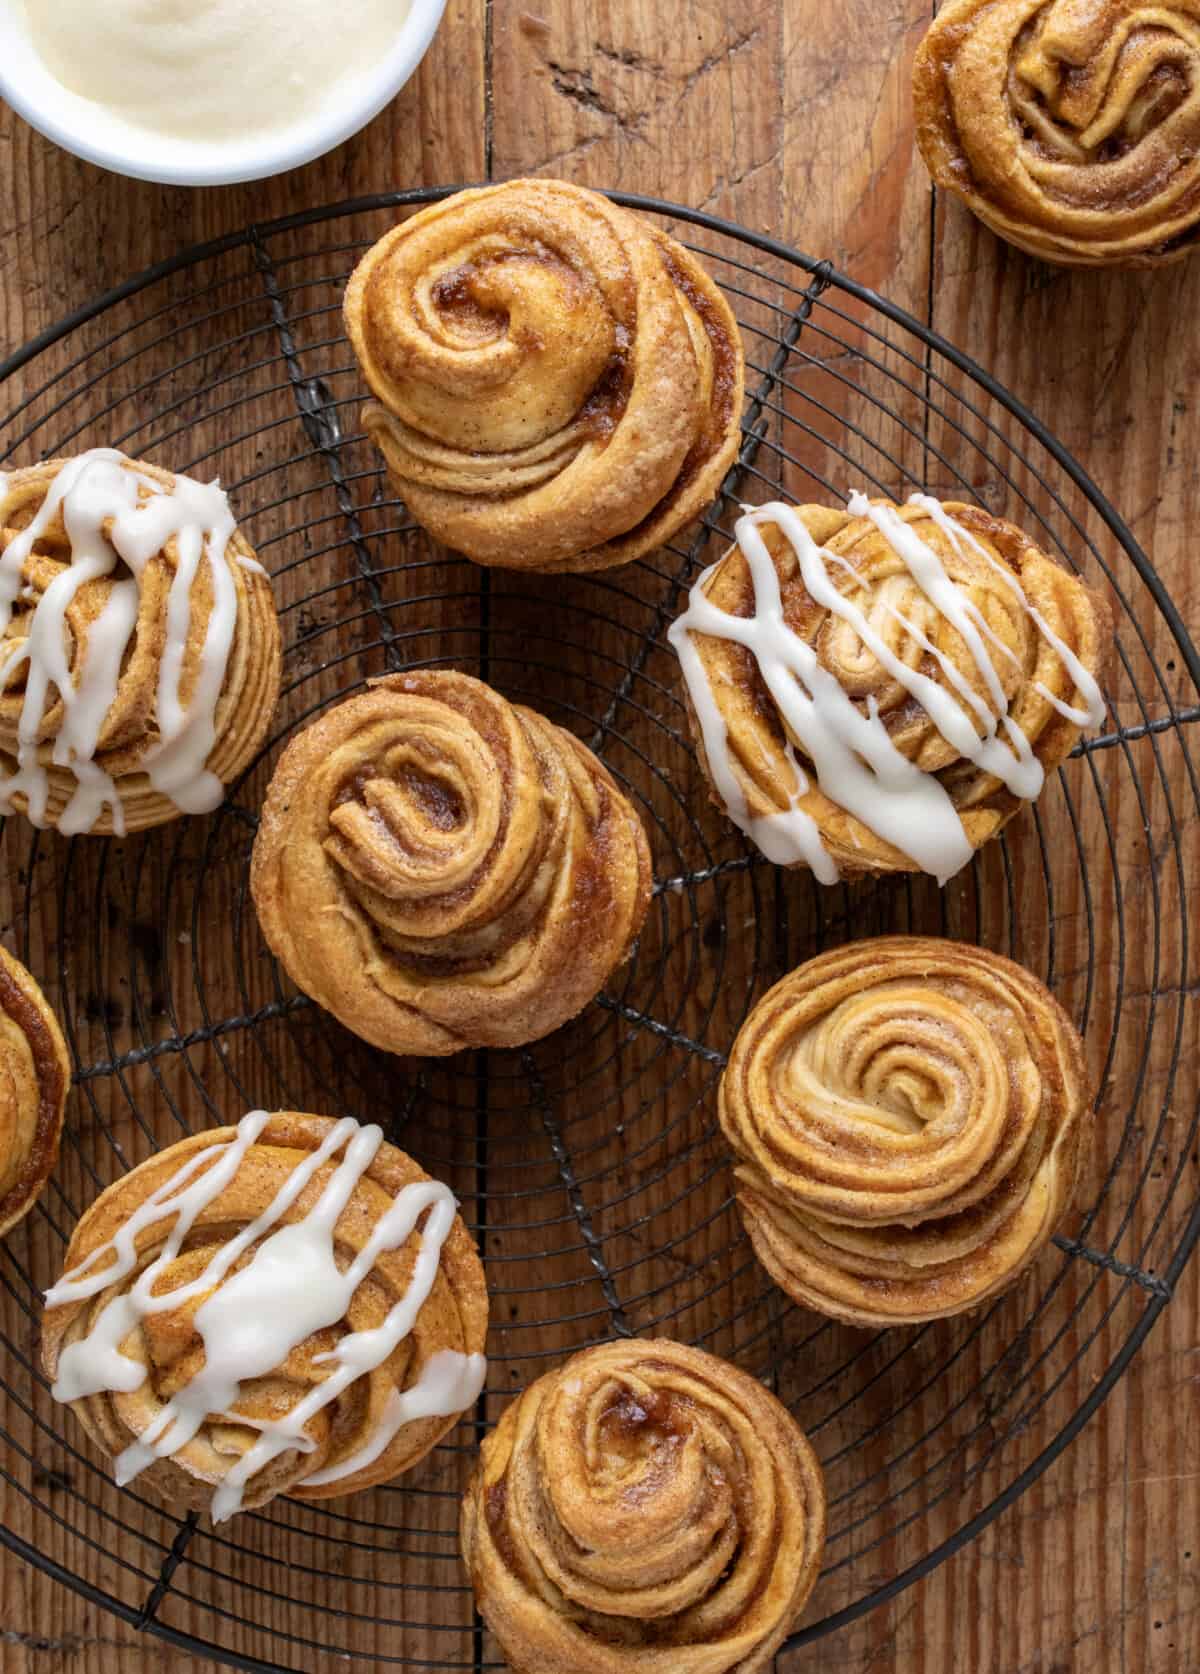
(795, 119)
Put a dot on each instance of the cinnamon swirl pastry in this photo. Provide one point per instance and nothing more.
(440, 868)
(1071, 130)
(558, 385)
(139, 646)
(645, 1509)
(34, 1076)
(288, 1306)
(907, 1117)
(881, 689)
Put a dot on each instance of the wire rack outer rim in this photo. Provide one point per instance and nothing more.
(831, 276)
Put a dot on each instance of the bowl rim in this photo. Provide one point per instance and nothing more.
(226, 164)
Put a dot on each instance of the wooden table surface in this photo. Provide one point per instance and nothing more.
(794, 118)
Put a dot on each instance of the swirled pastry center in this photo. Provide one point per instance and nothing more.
(513, 344)
(885, 1085)
(1090, 85)
(649, 1509)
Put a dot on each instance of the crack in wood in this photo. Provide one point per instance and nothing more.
(580, 87)
(69, 1645)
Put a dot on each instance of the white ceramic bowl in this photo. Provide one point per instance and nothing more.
(70, 121)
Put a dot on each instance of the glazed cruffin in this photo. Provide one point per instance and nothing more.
(252, 1311)
(879, 688)
(558, 385)
(170, 657)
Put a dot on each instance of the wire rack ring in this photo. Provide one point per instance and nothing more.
(588, 1165)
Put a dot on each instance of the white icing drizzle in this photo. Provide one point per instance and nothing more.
(1093, 709)
(290, 1288)
(114, 514)
(856, 764)
(450, 1382)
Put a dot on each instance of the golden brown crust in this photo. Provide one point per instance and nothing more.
(558, 385)
(876, 575)
(251, 685)
(1072, 131)
(454, 1316)
(907, 1116)
(440, 868)
(644, 1509)
(35, 1074)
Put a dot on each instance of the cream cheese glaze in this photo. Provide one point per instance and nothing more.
(210, 70)
(290, 1288)
(857, 766)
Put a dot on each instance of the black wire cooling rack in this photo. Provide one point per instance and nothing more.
(589, 1165)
